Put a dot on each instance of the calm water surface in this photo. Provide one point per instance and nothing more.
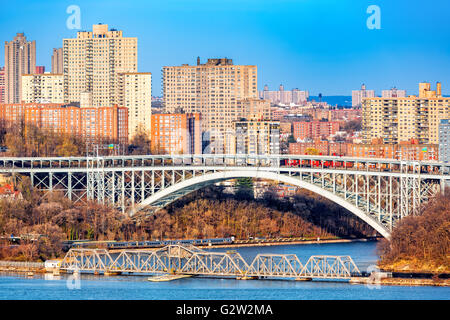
(137, 287)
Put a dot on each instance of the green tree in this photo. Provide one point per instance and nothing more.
(244, 189)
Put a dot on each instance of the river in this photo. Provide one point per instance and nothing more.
(91, 287)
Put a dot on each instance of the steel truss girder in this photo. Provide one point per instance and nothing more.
(194, 261)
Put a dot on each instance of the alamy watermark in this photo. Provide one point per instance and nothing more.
(374, 280)
(374, 20)
(74, 20)
(73, 281)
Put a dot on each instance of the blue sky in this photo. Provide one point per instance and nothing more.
(316, 45)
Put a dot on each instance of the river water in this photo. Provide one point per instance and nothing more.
(137, 287)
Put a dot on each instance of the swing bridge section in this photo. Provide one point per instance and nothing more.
(193, 261)
(380, 192)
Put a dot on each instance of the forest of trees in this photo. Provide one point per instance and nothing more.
(26, 140)
(422, 242)
(207, 213)
(352, 126)
(308, 206)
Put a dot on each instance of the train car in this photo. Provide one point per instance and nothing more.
(162, 243)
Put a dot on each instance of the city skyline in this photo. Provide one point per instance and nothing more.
(305, 45)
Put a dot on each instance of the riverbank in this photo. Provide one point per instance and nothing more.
(22, 267)
(401, 282)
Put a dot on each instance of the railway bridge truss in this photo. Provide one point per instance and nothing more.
(379, 191)
(190, 260)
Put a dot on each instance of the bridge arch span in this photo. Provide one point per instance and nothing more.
(184, 187)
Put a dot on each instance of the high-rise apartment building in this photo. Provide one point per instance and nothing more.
(393, 93)
(176, 133)
(2, 85)
(20, 58)
(94, 125)
(213, 89)
(444, 140)
(92, 62)
(254, 136)
(43, 88)
(285, 97)
(359, 95)
(57, 61)
(395, 120)
(134, 91)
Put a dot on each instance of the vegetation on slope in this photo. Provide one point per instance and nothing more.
(420, 243)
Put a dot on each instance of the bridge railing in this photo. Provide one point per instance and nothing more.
(224, 160)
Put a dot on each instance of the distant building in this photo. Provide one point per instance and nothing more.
(258, 137)
(359, 95)
(176, 133)
(314, 129)
(403, 151)
(320, 147)
(20, 58)
(334, 114)
(2, 85)
(43, 88)
(286, 128)
(444, 140)
(278, 113)
(294, 96)
(57, 61)
(393, 93)
(253, 108)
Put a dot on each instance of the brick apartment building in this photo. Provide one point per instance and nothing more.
(176, 133)
(314, 129)
(406, 150)
(92, 124)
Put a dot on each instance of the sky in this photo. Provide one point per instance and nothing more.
(324, 46)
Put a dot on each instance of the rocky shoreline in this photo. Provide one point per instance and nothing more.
(402, 282)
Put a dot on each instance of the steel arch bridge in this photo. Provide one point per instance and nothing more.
(379, 191)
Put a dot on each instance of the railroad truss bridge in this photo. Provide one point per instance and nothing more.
(379, 191)
(190, 260)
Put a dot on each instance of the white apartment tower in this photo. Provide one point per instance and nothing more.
(92, 62)
(393, 93)
(43, 88)
(359, 95)
(213, 89)
(134, 91)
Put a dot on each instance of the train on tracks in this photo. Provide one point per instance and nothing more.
(111, 245)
